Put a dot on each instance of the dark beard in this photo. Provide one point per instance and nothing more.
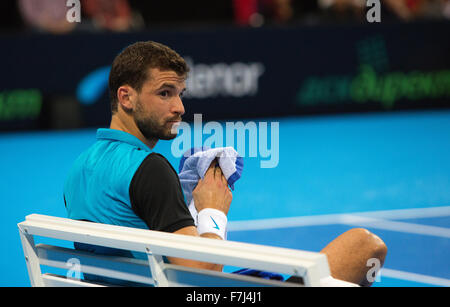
(149, 127)
(152, 131)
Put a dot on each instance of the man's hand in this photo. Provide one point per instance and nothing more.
(212, 191)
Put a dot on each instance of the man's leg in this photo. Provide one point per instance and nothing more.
(348, 255)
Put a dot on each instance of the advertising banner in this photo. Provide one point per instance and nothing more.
(61, 81)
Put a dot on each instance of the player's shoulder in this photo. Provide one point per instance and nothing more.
(156, 162)
(156, 159)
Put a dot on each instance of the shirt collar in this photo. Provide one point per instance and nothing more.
(122, 136)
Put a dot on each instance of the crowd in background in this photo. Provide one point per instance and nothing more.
(129, 15)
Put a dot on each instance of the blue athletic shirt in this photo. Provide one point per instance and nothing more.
(119, 181)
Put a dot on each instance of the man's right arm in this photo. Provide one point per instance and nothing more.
(192, 231)
(212, 192)
(157, 198)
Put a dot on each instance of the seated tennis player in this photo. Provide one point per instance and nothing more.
(120, 181)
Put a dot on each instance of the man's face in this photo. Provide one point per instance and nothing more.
(159, 107)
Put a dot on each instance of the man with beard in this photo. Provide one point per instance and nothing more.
(120, 181)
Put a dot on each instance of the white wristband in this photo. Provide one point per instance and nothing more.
(212, 221)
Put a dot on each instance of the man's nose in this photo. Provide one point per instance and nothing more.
(178, 106)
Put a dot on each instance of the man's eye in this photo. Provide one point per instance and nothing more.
(164, 93)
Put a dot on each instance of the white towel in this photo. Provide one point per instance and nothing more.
(195, 163)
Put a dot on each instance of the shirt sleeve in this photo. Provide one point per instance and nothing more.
(156, 195)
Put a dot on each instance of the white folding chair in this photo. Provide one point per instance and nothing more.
(311, 267)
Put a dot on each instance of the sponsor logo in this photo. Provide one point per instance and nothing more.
(236, 79)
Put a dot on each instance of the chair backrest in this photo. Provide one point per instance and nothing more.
(310, 266)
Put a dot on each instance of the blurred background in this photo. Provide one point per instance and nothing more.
(363, 109)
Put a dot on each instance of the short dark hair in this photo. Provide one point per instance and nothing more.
(132, 64)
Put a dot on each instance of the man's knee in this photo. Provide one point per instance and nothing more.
(373, 245)
(350, 255)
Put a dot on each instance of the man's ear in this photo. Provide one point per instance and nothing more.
(126, 97)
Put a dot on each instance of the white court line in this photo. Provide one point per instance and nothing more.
(283, 222)
(375, 218)
(400, 214)
(396, 226)
(425, 279)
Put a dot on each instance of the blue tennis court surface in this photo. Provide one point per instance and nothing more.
(387, 172)
(418, 248)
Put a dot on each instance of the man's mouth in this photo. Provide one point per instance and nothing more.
(174, 121)
(174, 124)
